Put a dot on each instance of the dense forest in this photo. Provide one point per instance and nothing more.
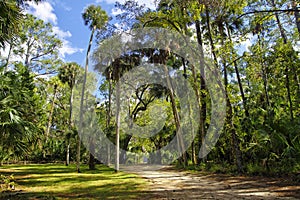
(52, 111)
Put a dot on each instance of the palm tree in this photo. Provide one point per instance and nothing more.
(96, 19)
(56, 84)
(18, 124)
(68, 74)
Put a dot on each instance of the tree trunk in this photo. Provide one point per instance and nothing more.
(82, 98)
(181, 146)
(235, 141)
(108, 154)
(264, 76)
(71, 109)
(118, 119)
(108, 115)
(51, 113)
(287, 77)
(68, 153)
(92, 158)
(203, 88)
(50, 119)
(70, 127)
(124, 145)
(193, 146)
(238, 75)
(213, 49)
(27, 53)
(78, 154)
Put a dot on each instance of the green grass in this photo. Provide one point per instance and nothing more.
(53, 181)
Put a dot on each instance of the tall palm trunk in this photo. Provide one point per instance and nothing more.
(51, 113)
(118, 119)
(82, 99)
(202, 99)
(68, 152)
(108, 114)
(70, 126)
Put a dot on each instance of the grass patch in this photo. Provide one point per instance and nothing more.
(54, 181)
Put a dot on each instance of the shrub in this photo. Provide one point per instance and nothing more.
(7, 182)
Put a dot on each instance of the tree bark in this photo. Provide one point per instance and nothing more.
(286, 70)
(51, 113)
(203, 89)
(238, 76)
(118, 119)
(92, 158)
(82, 99)
(213, 49)
(70, 126)
(68, 152)
(181, 146)
(235, 141)
(108, 114)
(264, 76)
(193, 146)
(29, 45)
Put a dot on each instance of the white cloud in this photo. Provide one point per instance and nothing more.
(149, 3)
(67, 49)
(60, 33)
(43, 10)
(116, 11)
(117, 25)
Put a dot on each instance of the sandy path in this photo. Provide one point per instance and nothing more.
(168, 183)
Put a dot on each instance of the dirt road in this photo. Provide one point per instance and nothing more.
(168, 183)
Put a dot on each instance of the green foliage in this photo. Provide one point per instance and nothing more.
(37, 45)
(7, 182)
(262, 84)
(94, 17)
(21, 111)
(10, 19)
(69, 74)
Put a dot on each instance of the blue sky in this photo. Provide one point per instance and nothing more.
(65, 16)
